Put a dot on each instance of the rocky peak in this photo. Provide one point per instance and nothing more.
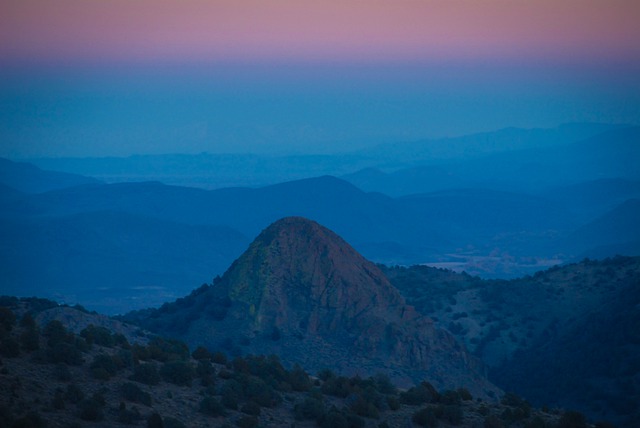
(299, 276)
(301, 292)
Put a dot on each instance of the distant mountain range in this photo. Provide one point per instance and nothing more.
(558, 161)
(507, 159)
(69, 231)
(28, 178)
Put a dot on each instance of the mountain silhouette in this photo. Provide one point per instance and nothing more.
(300, 291)
(28, 178)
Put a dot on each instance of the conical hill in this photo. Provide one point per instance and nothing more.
(301, 292)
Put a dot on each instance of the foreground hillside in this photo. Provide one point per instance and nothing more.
(566, 336)
(58, 369)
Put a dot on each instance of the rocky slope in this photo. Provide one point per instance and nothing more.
(58, 371)
(303, 293)
(563, 337)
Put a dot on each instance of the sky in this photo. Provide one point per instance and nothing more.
(119, 77)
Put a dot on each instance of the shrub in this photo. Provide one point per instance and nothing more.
(231, 394)
(201, 353)
(66, 353)
(464, 394)
(219, 358)
(572, 419)
(9, 347)
(338, 386)
(538, 422)
(30, 420)
(333, 419)
(163, 350)
(259, 391)
(30, 339)
(170, 422)
(513, 400)
(123, 359)
(299, 379)
(251, 408)
(212, 407)
(128, 416)
(132, 392)
(384, 385)
(62, 372)
(393, 402)
(98, 335)
(102, 367)
(354, 421)
(421, 394)
(450, 398)
(146, 373)
(140, 353)
(177, 372)
(362, 407)
(91, 409)
(58, 400)
(56, 333)
(492, 421)
(205, 372)
(7, 319)
(325, 374)
(154, 421)
(452, 414)
(310, 408)
(248, 422)
(73, 394)
(425, 417)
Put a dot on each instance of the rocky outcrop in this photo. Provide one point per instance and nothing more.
(300, 291)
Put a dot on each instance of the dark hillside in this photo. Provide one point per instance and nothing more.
(574, 324)
(616, 228)
(64, 367)
(31, 179)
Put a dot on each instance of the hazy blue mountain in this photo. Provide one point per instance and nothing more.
(483, 231)
(423, 225)
(419, 179)
(593, 198)
(208, 171)
(483, 144)
(14, 203)
(467, 161)
(28, 178)
(617, 231)
(111, 261)
(610, 155)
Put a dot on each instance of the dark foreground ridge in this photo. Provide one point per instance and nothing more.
(64, 367)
